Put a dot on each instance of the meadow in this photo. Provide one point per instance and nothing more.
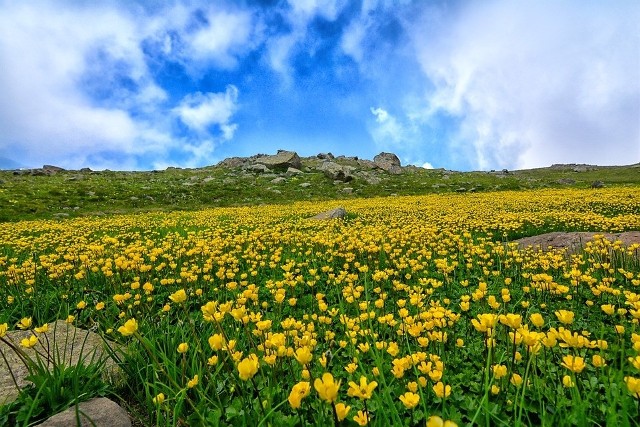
(413, 310)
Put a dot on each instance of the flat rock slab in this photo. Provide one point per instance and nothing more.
(98, 412)
(63, 343)
(573, 241)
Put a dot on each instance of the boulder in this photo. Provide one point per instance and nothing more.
(98, 412)
(64, 343)
(293, 171)
(283, 160)
(597, 184)
(52, 169)
(325, 156)
(258, 167)
(278, 180)
(388, 162)
(333, 213)
(233, 162)
(566, 181)
(336, 172)
(575, 240)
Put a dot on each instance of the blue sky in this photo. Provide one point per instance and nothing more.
(466, 85)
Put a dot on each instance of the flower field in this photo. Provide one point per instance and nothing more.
(411, 311)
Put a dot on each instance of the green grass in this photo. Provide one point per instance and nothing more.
(74, 193)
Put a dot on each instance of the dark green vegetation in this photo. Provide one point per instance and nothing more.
(60, 194)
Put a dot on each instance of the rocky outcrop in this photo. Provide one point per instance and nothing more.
(333, 213)
(62, 343)
(388, 162)
(283, 160)
(336, 172)
(98, 412)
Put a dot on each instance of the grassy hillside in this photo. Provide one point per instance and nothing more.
(51, 194)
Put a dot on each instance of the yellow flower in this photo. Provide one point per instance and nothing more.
(485, 322)
(326, 387)
(567, 381)
(495, 389)
(619, 329)
(361, 418)
(99, 306)
(248, 367)
(511, 320)
(303, 355)
(565, 316)
(342, 411)
(129, 328)
(442, 390)
(410, 400)
(363, 390)
(29, 342)
(516, 380)
(573, 363)
(70, 319)
(436, 421)
(499, 371)
(178, 296)
(3, 329)
(351, 367)
(212, 361)
(633, 385)
(183, 347)
(216, 342)
(24, 323)
(299, 392)
(598, 361)
(159, 399)
(81, 305)
(42, 329)
(193, 382)
(608, 309)
(537, 320)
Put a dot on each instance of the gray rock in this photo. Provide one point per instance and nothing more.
(305, 184)
(366, 164)
(208, 179)
(283, 160)
(461, 190)
(566, 181)
(278, 180)
(52, 169)
(323, 156)
(347, 190)
(233, 162)
(98, 412)
(63, 342)
(597, 184)
(293, 171)
(388, 162)
(333, 213)
(258, 167)
(336, 172)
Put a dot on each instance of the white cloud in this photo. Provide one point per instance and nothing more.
(199, 111)
(427, 165)
(63, 98)
(536, 83)
(392, 133)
